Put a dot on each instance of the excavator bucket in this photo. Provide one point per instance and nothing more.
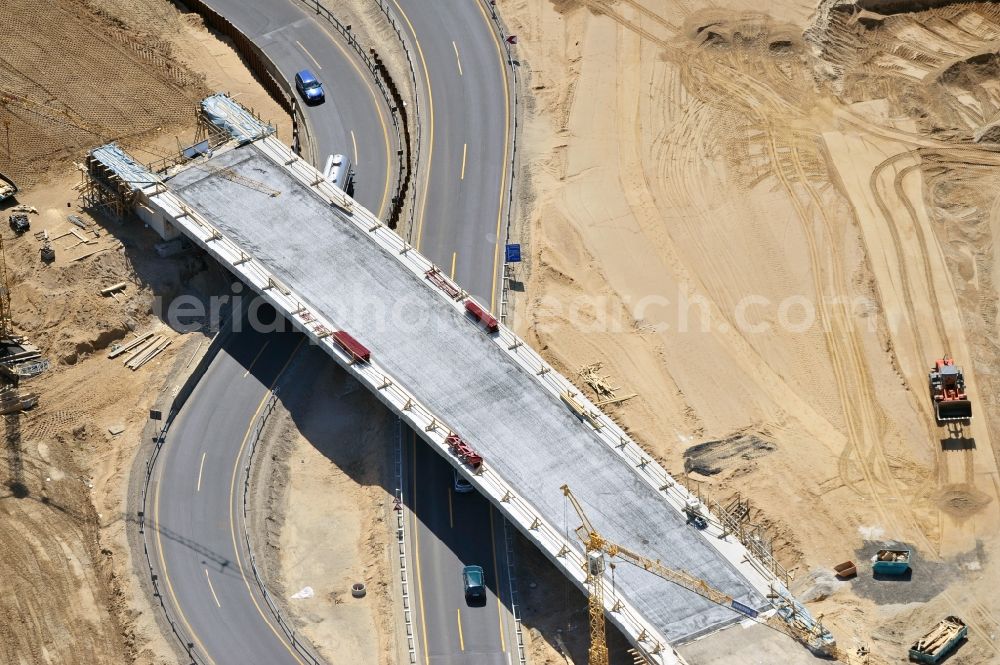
(956, 409)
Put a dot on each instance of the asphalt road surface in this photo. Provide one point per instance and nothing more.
(353, 120)
(459, 216)
(449, 530)
(459, 221)
(195, 494)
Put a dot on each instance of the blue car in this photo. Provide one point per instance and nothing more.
(309, 87)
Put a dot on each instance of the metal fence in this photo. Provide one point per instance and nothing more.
(301, 647)
(512, 65)
(404, 581)
(406, 165)
(412, 154)
(187, 641)
(263, 69)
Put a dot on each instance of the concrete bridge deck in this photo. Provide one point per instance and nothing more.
(328, 264)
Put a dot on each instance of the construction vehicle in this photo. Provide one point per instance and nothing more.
(947, 384)
(786, 620)
(941, 639)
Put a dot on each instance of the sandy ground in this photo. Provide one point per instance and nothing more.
(324, 522)
(82, 74)
(769, 225)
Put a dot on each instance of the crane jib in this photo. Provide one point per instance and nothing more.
(743, 609)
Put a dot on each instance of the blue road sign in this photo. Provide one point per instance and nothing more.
(743, 609)
(514, 253)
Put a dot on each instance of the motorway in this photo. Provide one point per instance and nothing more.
(459, 216)
(459, 223)
(354, 119)
(194, 511)
(449, 530)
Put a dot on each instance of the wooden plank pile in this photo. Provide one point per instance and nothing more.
(141, 350)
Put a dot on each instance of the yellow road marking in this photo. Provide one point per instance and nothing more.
(451, 513)
(496, 576)
(454, 255)
(465, 147)
(430, 111)
(306, 51)
(232, 490)
(355, 142)
(163, 565)
(381, 120)
(212, 589)
(457, 59)
(461, 638)
(416, 554)
(255, 359)
(503, 173)
(201, 467)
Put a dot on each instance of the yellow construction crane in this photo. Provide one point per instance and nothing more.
(814, 637)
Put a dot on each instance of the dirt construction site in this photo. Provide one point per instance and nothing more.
(750, 229)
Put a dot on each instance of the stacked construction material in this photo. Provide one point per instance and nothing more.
(141, 350)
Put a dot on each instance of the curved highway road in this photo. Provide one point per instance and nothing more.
(354, 119)
(193, 516)
(459, 216)
(460, 213)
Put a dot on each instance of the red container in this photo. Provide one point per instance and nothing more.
(484, 317)
(464, 451)
(353, 347)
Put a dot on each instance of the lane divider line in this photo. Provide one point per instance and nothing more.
(232, 502)
(461, 638)
(212, 589)
(506, 148)
(306, 51)
(354, 141)
(454, 255)
(457, 59)
(465, 148)
(255, 359)
(201, 467)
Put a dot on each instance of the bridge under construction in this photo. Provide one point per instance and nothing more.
(473, 390)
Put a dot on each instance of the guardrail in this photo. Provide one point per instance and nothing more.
(414, 155)
(317, 327)
(512, 65)
(411, 645)
(304, 649)
(393, 100)
(187, 642)
(266, 72)
(515, 606)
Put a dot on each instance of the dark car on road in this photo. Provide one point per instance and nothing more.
(309, 87)
(474, 581)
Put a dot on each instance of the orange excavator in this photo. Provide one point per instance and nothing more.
(947, 383)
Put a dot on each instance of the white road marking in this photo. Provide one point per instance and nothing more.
(306, 51)
(212, 589)
(201, 467)
(457, 59)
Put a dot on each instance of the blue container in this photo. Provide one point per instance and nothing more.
(891, 562)
(936, 644)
